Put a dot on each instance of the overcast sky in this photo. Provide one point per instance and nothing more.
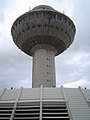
(72, 66)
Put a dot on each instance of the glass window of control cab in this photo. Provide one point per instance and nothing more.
(47, 15)
(38, 15)
(59, 17)
(31, 16)
(26, 18)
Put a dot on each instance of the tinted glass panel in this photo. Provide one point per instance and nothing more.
(54, 16)
(31, 16)
(59, 17)
(47, 15)
(25, 18)
(64, 19)
(38, 15)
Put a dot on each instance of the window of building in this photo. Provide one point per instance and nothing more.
(28, 27)
(25, 18)
(23, 30)
(45, 25)
(48, 80)
(53, 16)
(48, 73)
(59, 17)
(38, 15)
(65, 31)
(51, 26)
(16, 24)
(31, 16)
(65, 19)
(20, 21)
(70, 38)
(48, 59)
(46, 15)
(57, 27)
(33, 26)
(61, 29)
(48, 65)
(72, 25)
(39, 25)
(19, 33)
(68, 35)
(69, 23)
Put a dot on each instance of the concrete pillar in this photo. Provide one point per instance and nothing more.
(43, 66)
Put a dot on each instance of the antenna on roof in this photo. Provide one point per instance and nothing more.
(63, 12)
(29, 8)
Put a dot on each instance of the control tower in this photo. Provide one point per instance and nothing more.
(43, 33)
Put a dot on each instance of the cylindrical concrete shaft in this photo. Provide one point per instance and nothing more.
(43, 68)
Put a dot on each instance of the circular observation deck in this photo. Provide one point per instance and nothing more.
(43, 26)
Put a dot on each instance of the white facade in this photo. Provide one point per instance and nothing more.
(45, 104)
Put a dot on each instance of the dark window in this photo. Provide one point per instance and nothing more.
(48, 73)
(20, 21)
(57, 27)
(48, 80)
(19, 33)
(38, 15)
(72, 25)
(25, 18)
(68, 35)
(61, 29)
(65, 19)
(28, 27)
(33, 26)
(46, 15)
(31, 16)
(51, 26)
(45, 25)
(48, 59)
(53, 16)
(16, 24)
(59, 17)
(65, 31)
(70, 38)
(39, 25)
(23, 30)
(69, 23)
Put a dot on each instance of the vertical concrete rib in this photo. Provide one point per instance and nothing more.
(2, 93)
(84, 95)
(41, 98)
(70, 115)
(15, 105)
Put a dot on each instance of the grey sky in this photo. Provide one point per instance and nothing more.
(72, 66)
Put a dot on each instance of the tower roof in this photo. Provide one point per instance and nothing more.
(43, 7)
